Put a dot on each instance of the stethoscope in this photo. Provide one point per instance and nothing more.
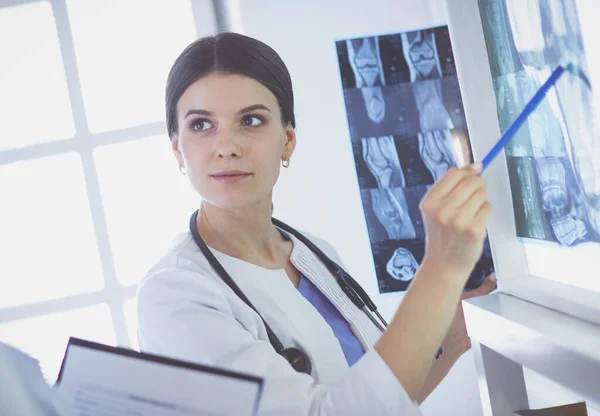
(298, 359)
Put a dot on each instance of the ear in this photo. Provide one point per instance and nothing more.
(290, 142)
(176, 151)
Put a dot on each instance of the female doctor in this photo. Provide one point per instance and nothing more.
(246, 292)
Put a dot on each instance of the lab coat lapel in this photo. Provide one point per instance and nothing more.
(294, 319)
(310, 265)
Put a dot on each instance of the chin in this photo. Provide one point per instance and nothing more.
(231, 201)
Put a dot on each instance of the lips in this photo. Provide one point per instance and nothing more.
(230, 176)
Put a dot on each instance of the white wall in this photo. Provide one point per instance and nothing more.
(319, 193)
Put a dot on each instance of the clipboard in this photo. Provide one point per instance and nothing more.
(102, 379)
(575, 409)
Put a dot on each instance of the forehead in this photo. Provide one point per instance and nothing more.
(225, 93)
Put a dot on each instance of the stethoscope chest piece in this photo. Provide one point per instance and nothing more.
(298, 359)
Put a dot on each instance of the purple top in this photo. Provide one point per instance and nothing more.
(348, 341)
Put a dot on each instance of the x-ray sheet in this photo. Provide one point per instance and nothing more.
(554, 160)
(407, 128)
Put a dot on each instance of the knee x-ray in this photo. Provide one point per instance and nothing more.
(387, 214)
(421, 55)
(554, 160)
(435, 148)
(402, 265)
(407, 128)
(379, 154)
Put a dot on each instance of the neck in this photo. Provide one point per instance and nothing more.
(245, 233)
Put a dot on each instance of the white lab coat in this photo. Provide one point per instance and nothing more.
(187, 312)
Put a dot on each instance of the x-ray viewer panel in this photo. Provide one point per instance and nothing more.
(576, 266)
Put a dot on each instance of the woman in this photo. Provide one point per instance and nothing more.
(231, 122)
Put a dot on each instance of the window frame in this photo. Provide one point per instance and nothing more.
(84, 142)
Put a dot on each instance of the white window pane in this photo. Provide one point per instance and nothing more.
(47, 240)
(34, 100)
(130, 310)
(146, 202)
(46, 337)
(124, 50)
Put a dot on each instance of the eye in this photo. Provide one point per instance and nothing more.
(252, 120)
(200, 124)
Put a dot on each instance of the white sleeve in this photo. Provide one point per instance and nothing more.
(186, 315)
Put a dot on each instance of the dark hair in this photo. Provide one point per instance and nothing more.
(229, 53)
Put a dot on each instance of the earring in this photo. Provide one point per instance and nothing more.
(183, 170)
(285, 162)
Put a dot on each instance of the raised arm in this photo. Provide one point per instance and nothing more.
(455, 213)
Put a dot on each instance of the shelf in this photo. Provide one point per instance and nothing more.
(558, 346)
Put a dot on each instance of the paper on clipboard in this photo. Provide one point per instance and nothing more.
(98, 379)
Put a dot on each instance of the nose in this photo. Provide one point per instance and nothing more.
(228, 145)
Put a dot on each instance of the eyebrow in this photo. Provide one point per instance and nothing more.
(242, 111)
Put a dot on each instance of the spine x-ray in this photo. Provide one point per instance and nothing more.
(407, 128)
(554, 160)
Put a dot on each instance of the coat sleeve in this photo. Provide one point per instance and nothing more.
(187, 315)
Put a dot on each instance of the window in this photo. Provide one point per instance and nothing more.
(123, 70)
(160, 206)
(27, 92)
(86, 170)
(47, 240)
(45, 337)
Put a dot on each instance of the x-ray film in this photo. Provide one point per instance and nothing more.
(387, 214)
(380, 111)
(407, 128)
(404, 109)
(413, 196)
(397, 262)
(528, 206)
(554, 160)
(415, 171)
(381, 158)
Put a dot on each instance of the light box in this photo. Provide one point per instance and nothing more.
(545, 186)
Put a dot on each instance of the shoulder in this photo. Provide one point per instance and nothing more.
(182, 272)
(182, 255)
(324, 246)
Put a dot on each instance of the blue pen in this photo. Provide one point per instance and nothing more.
(529, 108)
